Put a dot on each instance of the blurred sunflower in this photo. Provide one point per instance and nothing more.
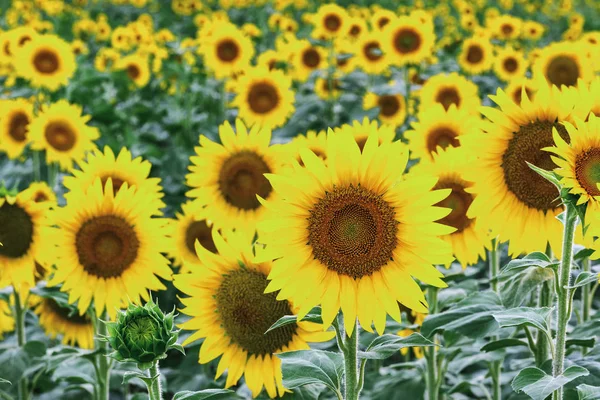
(62, 131)
(511, 199)
(438, 128)
(314, 141)
(188, 227)
(328, 89)
(19, 37)
(448, 90)
(563, 64)
(392, 107)
(121, 38)
(307, 58)
(226, 178)
(510, 64)
(42, 193)
(356, 27)
(233, 313)
(137, 68)
(517, 85)
(408, 41)
(264, 97)
(361, 131)
(588, 98)
(56, 319)
(330, 20)
(382, 18)
(476, 56)
(351, 229)
(79, 47)
(416, 319)
(506, 27)
(533, 30)
(46, 61)
(227, 50)
(122, 169)
(108, 248)
(369, 54)
(15, 117)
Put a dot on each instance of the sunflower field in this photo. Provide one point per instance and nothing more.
(299, 199)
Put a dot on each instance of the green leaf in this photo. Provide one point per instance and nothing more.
(129, 375)
(525, 316)
(313, 316)
(503, 343)
(538, 385)
(5, 381)
(304, 367)
(548, 175)
(524, 277)
(213, 394)
(587, 392)
(584, 278)
(35, 348)
(385, 346)
(583, 342)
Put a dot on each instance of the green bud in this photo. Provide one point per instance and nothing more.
(142, 335)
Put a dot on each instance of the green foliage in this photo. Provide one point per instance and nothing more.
(538, 385)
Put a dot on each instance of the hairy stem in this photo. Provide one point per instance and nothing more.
(20, 311)
(431, 352)
(104, 366)
(495, 366)
(350, 351)
(155, 389)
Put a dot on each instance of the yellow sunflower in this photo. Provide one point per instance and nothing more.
(437, 128)
(15, 117)
(42, 193)
(123, 168)
(330, 21)
(351, 233)
(517, 85)
(24, 238)
(46, 61)
(306, 58)
(355, 28)
(137, 68)
(408, 40)
(56, 319)
(588, 94)
(19, 37)
(506, 27)
(314, 141)
(7, 322)
(369, 54)
(62, 131)
(264, 97)
(79, 47)
(511, 199)
(450, 89)
(232, 314)
(468, 241)
(533, 30)
(108, 248)
(361, 131)
(227, 50)
(476, 56)
(226, 178)
(563, 64)
(187, 228)
(510, 64)
(382, 18)
(326, 89)
(392, 107)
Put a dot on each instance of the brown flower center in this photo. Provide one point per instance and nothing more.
(526, 146)
(352, 231)
(448, 96)
(116, 182)
(510, 65)
(242, 178)
(17, 127)
(562, 70)
(407, 41)
(200, 231)
(587, 170)
(107, 246)
(46, 62)
(133, 71)
(332, 22)
(507, 29)
(263, 98)
(354, 31)
(383, 21)
(389, 105)
(517, 95)
(459, 201)
(66, 313)
(60, 136)
(372, 51)
(246, 313)
(474, 54)
(16, 231)
(442, 137)
(228, 50)
(311, 58)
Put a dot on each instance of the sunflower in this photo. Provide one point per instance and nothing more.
(15, 116)
(563, 64)
(450, 89)
(232, 314)
(269, 59)
(408, 40)
(382, 18)
(330, 20)
(46, 61)
(226, 178)
(307, 58)
(79, 47)
(352, 232)
(533, 30)
(361, 131)
(7, 322)
(19, 37)
(57, 319)
(42, 193)
(468, 241)
(24, 238)
(437, 128)
(511, 199)
(314, 141)
(356, 27)
(227, 50)
(510, 64)
(392, 107)
(264, 97)
(588, 94)
(135, 172)
(108, 248)
(476, 56)
(345, 57)
(506, 27)
(328, 89)
(137, 68)
(62, 131)
(369, 54)
(516, 86)
(5, 52)
(187, 228)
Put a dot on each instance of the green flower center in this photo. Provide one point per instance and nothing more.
(140, 331)
(16, 231)
(587, 171)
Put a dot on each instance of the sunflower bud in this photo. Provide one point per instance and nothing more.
(142, 335)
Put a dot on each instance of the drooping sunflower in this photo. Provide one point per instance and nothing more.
(108, 248)
(369, 54)
(330, 20)
(563, 63)
(408, 40)
(468, 241)
(517, 85)
(450, 89)
(15, 116)
(361, 131)
(227, 50)
(137, 68)
(188, 227)
(351, 233)
(24, 238)
(7, 322)
(437, 128)
(233, 313)
(226, 178)
(46, 61)
(477, 55)
(306, 58)
(511, 199)
(392, 107)
(42, 193)
(56, 319)
(264, 97)
(510, 64)
(62, 131)
(123, 168)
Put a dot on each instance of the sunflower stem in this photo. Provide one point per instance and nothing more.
(431, 352)
(352, 389)
(37, 171)
(104, 365)
(495, 366)
(20, 311)
(407, 90)
(155, 389)
(564, 294)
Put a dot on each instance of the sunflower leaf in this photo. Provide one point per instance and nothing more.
(313, 316)
(538, 385)
(503, 343)
(584, 278)
(548, 175)
(524, 316)
(386, 346)
(305, 367)
(587, 392)
(212, 394)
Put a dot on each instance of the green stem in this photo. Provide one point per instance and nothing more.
(20, 311)
(350, 351)
(407, 90)
(37, 170)
(431, 352)
(564, 295)
(52, 174)
(155, 390)
(330, 72)
(495, 366)
(543, 344)
(586, 300)
(104, 365)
